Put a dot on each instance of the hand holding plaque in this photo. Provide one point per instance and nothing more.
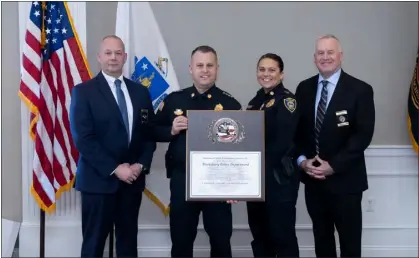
(179, 123)
(232, 201)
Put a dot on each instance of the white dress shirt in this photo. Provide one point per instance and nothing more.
(111, 83)
(331, 86)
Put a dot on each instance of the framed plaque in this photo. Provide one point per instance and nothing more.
(225, 158)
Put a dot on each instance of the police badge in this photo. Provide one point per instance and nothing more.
(226, 130)
(178, 112)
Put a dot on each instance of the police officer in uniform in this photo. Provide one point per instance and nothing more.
(170, 126)
(272, 223)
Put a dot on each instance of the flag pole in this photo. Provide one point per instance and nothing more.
(42, 235)
(42, 217)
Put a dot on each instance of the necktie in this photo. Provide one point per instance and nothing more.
(321, 111)
(122, 104)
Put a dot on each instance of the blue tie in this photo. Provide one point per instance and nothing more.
(122, 104)
(321, 111)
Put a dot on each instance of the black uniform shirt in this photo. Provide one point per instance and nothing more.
(281, 119)
(176, 104)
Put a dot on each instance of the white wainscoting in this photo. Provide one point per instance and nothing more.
(9, 232)
(390, 228)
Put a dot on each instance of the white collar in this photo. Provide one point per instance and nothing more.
(332, 79)
(111, 80)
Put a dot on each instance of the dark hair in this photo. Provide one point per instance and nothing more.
(204, 49)
(274, 57)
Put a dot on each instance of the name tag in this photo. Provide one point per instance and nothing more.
(343, 124)
(144, 116)
(342, 112)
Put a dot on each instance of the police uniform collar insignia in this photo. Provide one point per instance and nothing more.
(290, 104)
(193, 95)
(209, 96)
(178, 112)
(270, 103)
(218, 107)
(271, 93)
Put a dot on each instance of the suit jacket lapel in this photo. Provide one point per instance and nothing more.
(312, 101)
(108, 95)
(338, 95)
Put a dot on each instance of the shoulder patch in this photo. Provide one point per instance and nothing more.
(290, 104)
(161, 105)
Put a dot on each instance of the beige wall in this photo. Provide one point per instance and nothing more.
(379, 41)
(11, 155)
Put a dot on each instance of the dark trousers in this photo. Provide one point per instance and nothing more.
(184, 218)
(100, 212)
(328, 211)
(272, 223)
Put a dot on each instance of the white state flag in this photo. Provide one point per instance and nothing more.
(148, 63)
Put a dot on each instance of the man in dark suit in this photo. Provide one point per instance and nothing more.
(336, 126)
(109, 118)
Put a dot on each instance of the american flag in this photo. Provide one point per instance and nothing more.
(53, 62)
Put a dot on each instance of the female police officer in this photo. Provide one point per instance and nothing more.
(272, 222)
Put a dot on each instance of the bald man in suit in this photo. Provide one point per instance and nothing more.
(336, 127)
(109, 118)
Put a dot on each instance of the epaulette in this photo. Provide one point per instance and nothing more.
(228, 94)
(288, 93)
(178, 91)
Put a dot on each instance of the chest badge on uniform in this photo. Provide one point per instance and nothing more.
(290, 104)
(178, 112)
(270, 103)
(218, 107)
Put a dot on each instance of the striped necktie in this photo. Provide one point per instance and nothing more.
(122, 104)
(321, 111)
